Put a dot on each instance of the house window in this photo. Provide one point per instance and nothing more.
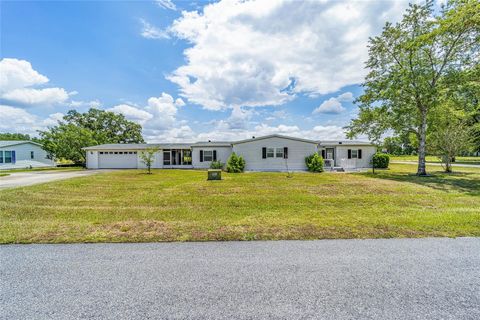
(354, 154)
(207, 155)
(32, 155)
(270, 152)
(8, 156)
(1, 156)
(166, 157)
(278, 152)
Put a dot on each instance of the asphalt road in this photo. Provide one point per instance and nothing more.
(21, 179)
(331, 279)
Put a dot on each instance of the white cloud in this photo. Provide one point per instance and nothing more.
(346, 96)
(334, 105)
(331, 106)
(16, 74)
(19, 120)
(166, 4)
(151, 32)
(158, 118)
(32, 97)
(17, 77)
(132, 113)
(255, 53)
(316, 133)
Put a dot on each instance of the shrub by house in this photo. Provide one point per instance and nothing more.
(235, 164)
(314, 163)
(380, 160)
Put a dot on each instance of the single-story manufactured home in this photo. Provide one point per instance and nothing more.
(268, 153)
(23, 154)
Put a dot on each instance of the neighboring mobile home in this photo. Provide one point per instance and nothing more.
(23, 154)
(268, 153)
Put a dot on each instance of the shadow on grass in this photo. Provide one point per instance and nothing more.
(465, 182)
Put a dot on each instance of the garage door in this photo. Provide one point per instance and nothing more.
(117, 159)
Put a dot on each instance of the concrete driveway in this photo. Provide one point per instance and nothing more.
(330, 279)
(21, 179)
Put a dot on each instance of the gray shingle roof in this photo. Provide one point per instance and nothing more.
(7, 143)
(140, 146)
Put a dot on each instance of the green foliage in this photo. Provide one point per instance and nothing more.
(66, 141)
(449, 138)
(148, 157)
(380, 160)
(15, 136)
(235, 164)
(106, 127)
(412, 65)
(314, 163)
(216, 165)
(79, 130)
(399, 145)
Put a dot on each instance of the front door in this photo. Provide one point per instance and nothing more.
(329, 153)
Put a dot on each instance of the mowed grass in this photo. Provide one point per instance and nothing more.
(180, 205)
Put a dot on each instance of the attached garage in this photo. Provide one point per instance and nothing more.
(117, 160)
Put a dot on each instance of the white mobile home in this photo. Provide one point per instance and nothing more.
(268, 153)
(23, 154)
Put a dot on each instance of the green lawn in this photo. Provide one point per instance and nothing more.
(131, 206)
(434, 159)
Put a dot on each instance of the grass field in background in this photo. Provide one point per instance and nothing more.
(434, 159)
(171, 205)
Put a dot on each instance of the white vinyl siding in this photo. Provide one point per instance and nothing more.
(251, 151)
(23, 156)
(341, 152)
(223, 153)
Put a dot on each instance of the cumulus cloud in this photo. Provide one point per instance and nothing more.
(256, 53)
(16, 74)
(29, 96)
(316, 133)
(132, 113)
(17, 85)
(151, 32)
(19, 120)
(334, 105)
(158, 118)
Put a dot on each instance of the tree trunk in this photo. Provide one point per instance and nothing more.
(422, 147)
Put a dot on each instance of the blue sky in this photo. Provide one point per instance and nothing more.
(189, 70)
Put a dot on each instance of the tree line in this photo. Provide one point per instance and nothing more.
(423, 81)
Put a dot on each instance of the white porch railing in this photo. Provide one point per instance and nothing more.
(328, 164)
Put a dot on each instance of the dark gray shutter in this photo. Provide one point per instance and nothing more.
(201, 155)
(359, 153)
(349, 154)
(214, 155)
(285, 153)
(264, 153)
(323, 154)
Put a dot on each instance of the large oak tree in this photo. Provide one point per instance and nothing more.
(79, 130)
(410, 65)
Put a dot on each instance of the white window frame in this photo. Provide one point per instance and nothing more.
(279, 151)
(270, 152)
(356, 154)
(207, 155)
